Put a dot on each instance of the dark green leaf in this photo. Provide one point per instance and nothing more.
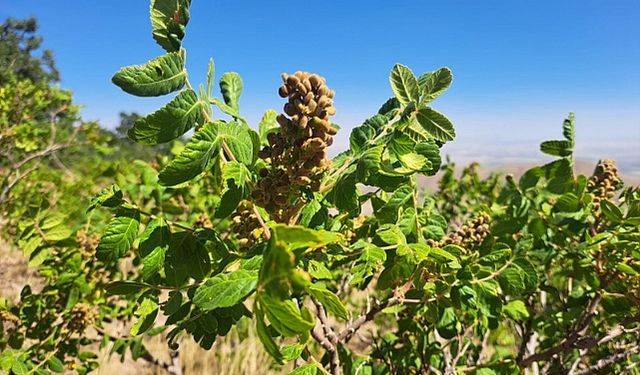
(121, 231)
(436, 124)
(159, 76)
(404, 84)
(169, 19)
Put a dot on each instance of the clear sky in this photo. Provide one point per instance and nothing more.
(519, 66)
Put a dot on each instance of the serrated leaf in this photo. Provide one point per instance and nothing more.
(557, 148)
(159, 76)
(436, 124)
(267, 125)
(231, 88)
(110, 196)
(121, 231)
(234, 175)
(404, 84)
(296, 237)
(329, 300)
(170, 122)
(433, 84)
(154, 243)
(194, 158)
(611, 211)
(169, 19)
(568, 128)
(146, 312)
(285, 316)
(225, 290)
(516, 310)
(265, 338)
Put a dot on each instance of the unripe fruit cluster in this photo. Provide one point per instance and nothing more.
(246, 226)
(82, 316)
(604, 182)
(469, 235)
(297, 152)
(87, 243)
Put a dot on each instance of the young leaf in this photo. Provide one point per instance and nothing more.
(225, 290)
(194, 159)
(231, 88)
(110, 196)
(296, 237)
(169, 19)
(308, 369)
(146, 313)
(569, 129)
(125, 287)
(119, 235)
(154, 242)
(433, 84)
(285, 316)
(404, 84)
(169, 122)
(329, 300)
(557, 148)
(267, 125)
(436, 124)
(159, 76)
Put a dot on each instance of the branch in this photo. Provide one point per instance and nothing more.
(575, 341)
(347, 333)
(606, 362)
(330, 336)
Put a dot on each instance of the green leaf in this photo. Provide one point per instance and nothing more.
(308, 369)
(265, 337)
(403, 147)
(625, 268)
(194, 158)
(404, 84)
(268, 124)
(55, 364)
(329, 300)
(169, 122)
(296, 237)
(159, 76)
(557, 148)
(568, 128)
(516, 310)
(285, 316)
(319, 271)
(121, 231)
(225, 290)
(231, 88)
(19, 367)
(512, 280)
(238, 138)
(433, 84)
(169, 19)
(345, 194)
(154, 243)
(436, 124)
(611, 211)
(370, 260)
(110, 196)
(125, 287)
(146, 312)
(235, 176)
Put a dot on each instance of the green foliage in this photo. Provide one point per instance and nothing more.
(486, 275)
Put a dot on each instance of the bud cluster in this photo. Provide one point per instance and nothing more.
(469, 235)
(82, 316)
(246, 226)
(604, 182)
(297, 152)
(87, 243)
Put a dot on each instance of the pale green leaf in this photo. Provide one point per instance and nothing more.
(404, 84)
(169, 122)
(433, 84)
(168, 20)
(436, 124)
(159, 76)
(329, 300)
(225, 290)
(231, 87)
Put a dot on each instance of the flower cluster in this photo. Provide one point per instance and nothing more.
(82, 316)
(87, 243)
(604, 182)
(246, 226)
(297, 152)
(469, 235)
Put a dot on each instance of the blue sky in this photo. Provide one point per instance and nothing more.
(519, 66)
